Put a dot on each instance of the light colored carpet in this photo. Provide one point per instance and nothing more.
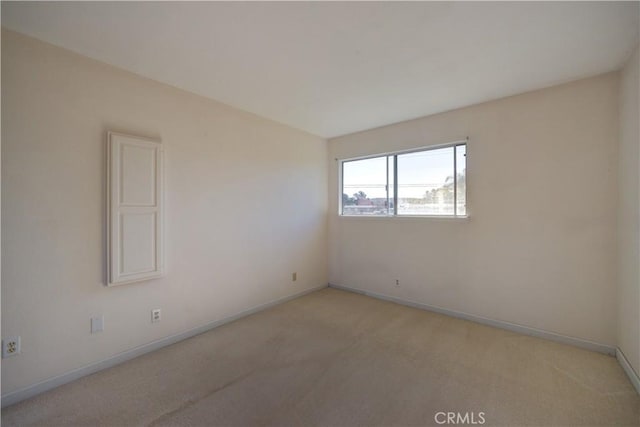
(334, 358)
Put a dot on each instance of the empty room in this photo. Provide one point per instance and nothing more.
(320, 213)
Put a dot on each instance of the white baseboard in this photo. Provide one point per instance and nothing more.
(526, 330)
(48, 384)
(628, 369)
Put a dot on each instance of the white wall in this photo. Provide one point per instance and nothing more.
(539, 247)
(629, 215)
(246, 207)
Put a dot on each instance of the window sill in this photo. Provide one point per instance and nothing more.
(445, 217)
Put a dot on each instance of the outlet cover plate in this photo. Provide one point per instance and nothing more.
(10, 346)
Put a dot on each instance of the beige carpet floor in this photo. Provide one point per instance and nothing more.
(334, 358)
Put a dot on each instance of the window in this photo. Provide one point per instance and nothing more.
(427, 182)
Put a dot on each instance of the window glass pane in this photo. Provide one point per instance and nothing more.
(364, 187)
(461, 166)
(425, 182)
(390, 180)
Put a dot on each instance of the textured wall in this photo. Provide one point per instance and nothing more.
(629, 215)
(539, 246)
(246, 205)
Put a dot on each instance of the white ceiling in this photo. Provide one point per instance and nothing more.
(332, 68)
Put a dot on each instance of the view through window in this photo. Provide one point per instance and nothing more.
(429, 182)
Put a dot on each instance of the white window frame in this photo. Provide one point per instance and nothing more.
(395, 155)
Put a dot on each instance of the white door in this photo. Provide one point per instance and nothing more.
(134, 209)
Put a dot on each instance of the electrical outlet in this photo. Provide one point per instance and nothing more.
(397, 282)
(97, 324)
(10, 346)
(294, 277)
(155, 315)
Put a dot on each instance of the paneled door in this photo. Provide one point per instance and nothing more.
(135, 204)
